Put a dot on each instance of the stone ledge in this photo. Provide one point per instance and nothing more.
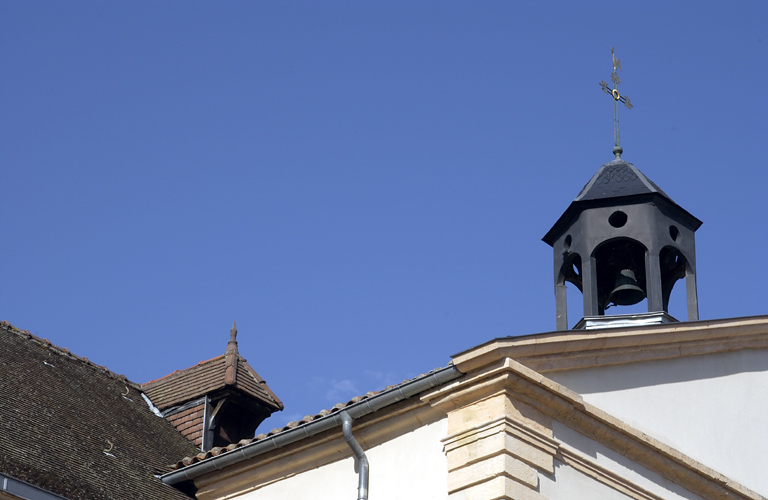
(502, 465)
(502, 435)
(583, 349)
(499, 488)
(527, 388)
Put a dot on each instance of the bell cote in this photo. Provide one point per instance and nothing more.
(620, 241)
(216, 402)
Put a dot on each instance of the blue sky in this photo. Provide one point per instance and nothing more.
(363, 186)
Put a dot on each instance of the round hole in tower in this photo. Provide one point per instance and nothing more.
(567, 243)
(674, 232)
(617, 219)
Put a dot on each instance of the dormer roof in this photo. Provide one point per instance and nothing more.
(229, 370)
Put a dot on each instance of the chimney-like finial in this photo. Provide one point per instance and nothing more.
(230, 357)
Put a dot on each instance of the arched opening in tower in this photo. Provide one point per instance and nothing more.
(620, 276)
(673, 265)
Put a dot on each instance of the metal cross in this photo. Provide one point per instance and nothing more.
(616, 99)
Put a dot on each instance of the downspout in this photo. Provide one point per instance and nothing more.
(362, 460)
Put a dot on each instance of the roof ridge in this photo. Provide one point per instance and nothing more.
(178, 372)
(63, 351)
(643, 178)
(593, 179)
(262, 383)
(250, 371)
(648, 182)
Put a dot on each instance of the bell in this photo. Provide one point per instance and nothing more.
(626, 292)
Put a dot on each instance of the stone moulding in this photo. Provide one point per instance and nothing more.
(590, 468)
(536, 448)
(583, 349)
(502, 447)
(511, 399)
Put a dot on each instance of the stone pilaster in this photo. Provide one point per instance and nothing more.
(496, 444)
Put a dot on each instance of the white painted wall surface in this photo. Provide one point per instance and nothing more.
(713, 408)
(569, 483)
(410, 466)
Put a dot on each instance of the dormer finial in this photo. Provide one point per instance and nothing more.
(230, 357)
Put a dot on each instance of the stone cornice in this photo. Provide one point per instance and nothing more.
(583, 349)
(591, 468)
(543, 443)
(559, 403)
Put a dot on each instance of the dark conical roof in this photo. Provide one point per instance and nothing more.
(618, 178)
(617, 182)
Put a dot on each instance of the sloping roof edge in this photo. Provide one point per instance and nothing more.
(237, 453)
(566, 350)
(47, 344)
(263, 383)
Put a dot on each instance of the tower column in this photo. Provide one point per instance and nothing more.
(692, 298)
(589, 285)
(653, 280)
(561, 303)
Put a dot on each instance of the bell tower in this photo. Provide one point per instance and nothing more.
(623, 240)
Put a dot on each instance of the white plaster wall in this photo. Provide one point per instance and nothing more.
(713, 408)
(410, 466)
(568, 483)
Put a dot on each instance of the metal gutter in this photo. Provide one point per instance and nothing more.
(24, 490)
(356, 410)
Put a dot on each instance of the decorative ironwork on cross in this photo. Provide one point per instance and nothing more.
(617, 98)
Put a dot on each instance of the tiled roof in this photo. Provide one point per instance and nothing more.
(291, 425)
(205, 377)
(78, 430)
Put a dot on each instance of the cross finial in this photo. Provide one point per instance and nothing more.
(614, 92)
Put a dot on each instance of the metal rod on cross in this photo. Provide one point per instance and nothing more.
(617, 98)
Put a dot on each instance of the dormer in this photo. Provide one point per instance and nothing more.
(216, 402)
